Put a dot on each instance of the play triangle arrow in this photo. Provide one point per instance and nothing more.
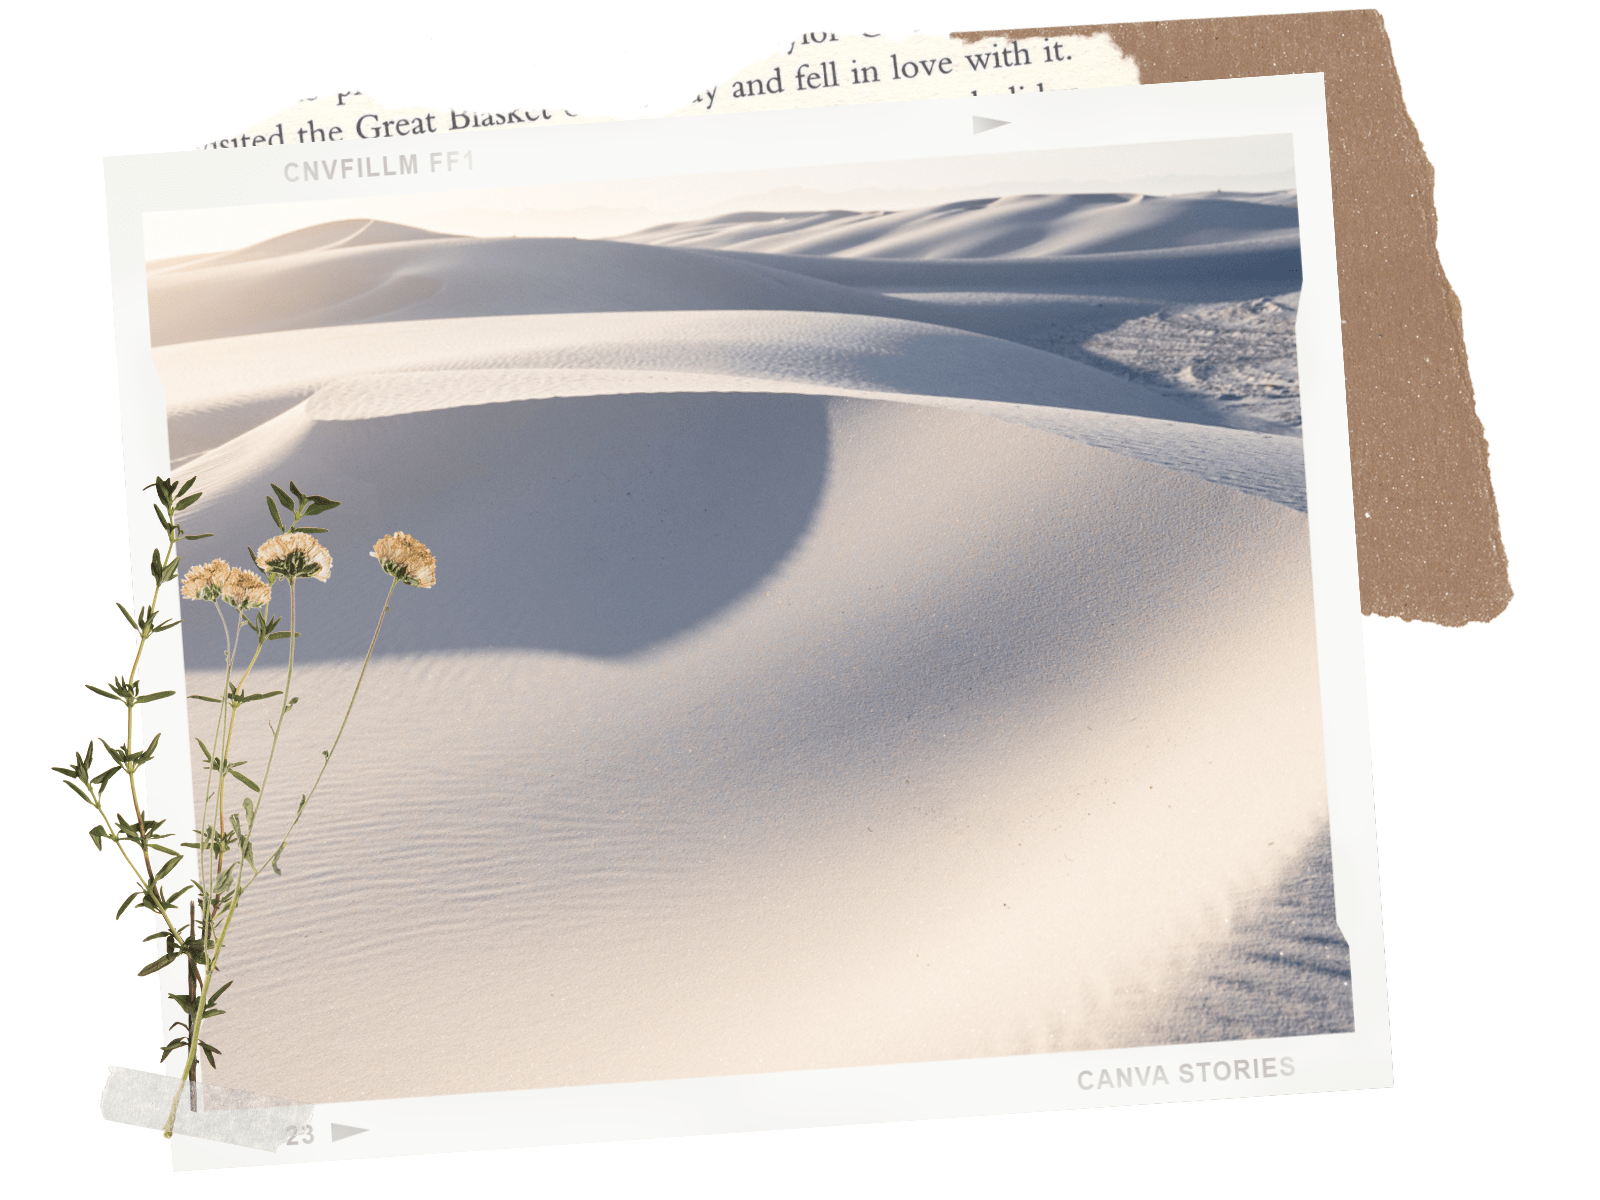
(344, 1131)
(984, 124)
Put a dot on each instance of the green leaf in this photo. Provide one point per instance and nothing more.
(130, 619)
(152, 968)
(154, 696)
(195, 537)
(218, 993)
(273, 637)
(166, 868)
(210, 1052)
(298, 494)
(183, 504)
(98, 832)
(135, 761)
(309, 529)
(248, 782)
(131, 898)
(208, 700)
(272, 510)
(283, 496)
(319, 504)
(101, 692)
(156, 567)
(167, 849)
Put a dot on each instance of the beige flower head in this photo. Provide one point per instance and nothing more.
(407, 559)
(295, 556)
(245, 589)
(205, 581)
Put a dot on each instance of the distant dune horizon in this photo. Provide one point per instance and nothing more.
(368, 230)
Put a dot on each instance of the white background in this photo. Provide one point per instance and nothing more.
(1486, 823)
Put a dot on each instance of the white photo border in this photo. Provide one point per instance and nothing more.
(927, 129)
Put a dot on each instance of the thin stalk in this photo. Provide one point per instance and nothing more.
(148, 878)
(230, 643)
(194, 1029)
(283, 704)
(194, 1105)
(213, 955)
(164, 565)
(221, 840)
(127, 745)
(328, 757)
(240, 885)
(216, 952)
(196, 1018)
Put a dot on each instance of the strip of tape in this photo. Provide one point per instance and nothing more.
(218, 1114)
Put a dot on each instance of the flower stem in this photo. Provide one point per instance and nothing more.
(147, 880)
(241, 884)
(212, 952)
(283, 705)
(327, 756)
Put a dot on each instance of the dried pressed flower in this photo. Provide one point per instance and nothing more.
(245, 589)
(205, 581)
(295, 556)
(407, 559)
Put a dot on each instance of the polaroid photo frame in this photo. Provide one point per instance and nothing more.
(886, 660)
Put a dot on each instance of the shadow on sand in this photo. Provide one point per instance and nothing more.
(597, 525)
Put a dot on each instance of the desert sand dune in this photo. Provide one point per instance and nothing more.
(1005, 227)
(1229, 271)
(821, 672)
(1178, 261)
(814, 351)
(465, 277)
(496, 359)
(331, 235)
(474, 277)
(1225, 358)
(756, 732)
